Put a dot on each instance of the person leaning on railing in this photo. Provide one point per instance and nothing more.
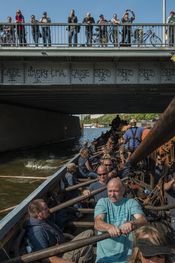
(89, 20)
(115, 22)
(20, 28)
(73, 29)
(103, 31)
(35, 29)
(46, 33)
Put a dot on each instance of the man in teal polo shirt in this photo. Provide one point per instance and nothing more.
(118, 216)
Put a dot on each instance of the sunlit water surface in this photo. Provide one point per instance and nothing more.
(39, 162)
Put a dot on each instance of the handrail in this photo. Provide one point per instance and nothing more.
(107, 35)
(84, 24)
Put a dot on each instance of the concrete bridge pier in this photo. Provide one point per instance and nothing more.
(23, 127)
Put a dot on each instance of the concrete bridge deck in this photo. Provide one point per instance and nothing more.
(87, 80)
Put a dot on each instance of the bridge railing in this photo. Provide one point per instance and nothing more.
(83, 35)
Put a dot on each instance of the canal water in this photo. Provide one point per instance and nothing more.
(39, 162)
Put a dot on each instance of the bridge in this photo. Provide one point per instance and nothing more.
(63, 79)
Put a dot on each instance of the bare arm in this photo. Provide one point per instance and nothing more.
(103, 226)
(88, 166)
(168, 185)
(55, 259)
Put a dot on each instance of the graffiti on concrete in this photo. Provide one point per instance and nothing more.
(168, 74)
(146, 74)
(80, 74)
(37, 74)
(12, 74)
(55, 72)
(102, 74)
(125, 74)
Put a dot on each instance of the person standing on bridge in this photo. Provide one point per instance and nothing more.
(46, 33)
(88, 20)
(126, 31)
(73, 29)
(103, 31)
(35, 29)
(115, 23)
(171, 28)
(20, 28)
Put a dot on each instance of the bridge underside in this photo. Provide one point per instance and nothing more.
(77, 80)
(91, 99)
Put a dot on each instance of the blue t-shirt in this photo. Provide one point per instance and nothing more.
(116, 250)
(95, 186)
(133, 137)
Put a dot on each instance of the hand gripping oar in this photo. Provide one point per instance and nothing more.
(59, 249)
(76, 186)
(76, 200)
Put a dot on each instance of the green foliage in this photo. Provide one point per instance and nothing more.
(107, 118)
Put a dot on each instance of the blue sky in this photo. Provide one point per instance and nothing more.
(58, 10)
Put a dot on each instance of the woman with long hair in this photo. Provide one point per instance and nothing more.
(149, 247)
(73, 29)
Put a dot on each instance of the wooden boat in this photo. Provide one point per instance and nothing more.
(11, 225)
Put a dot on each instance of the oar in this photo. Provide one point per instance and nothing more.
(79, 199)
(83, 179)
(74, 187)
(59, 249)
(22, 177)
(162, 131)
(160, 208)
(82, 210)
(7, 209)
(76, 200)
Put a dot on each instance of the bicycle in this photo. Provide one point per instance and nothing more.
(111, 35)
(142, 38)
(96, 37)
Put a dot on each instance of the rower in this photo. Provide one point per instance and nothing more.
(102, 181)
(84, 164)
(42, 233)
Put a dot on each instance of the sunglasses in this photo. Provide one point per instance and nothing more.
(157, 256)
(102, 174)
